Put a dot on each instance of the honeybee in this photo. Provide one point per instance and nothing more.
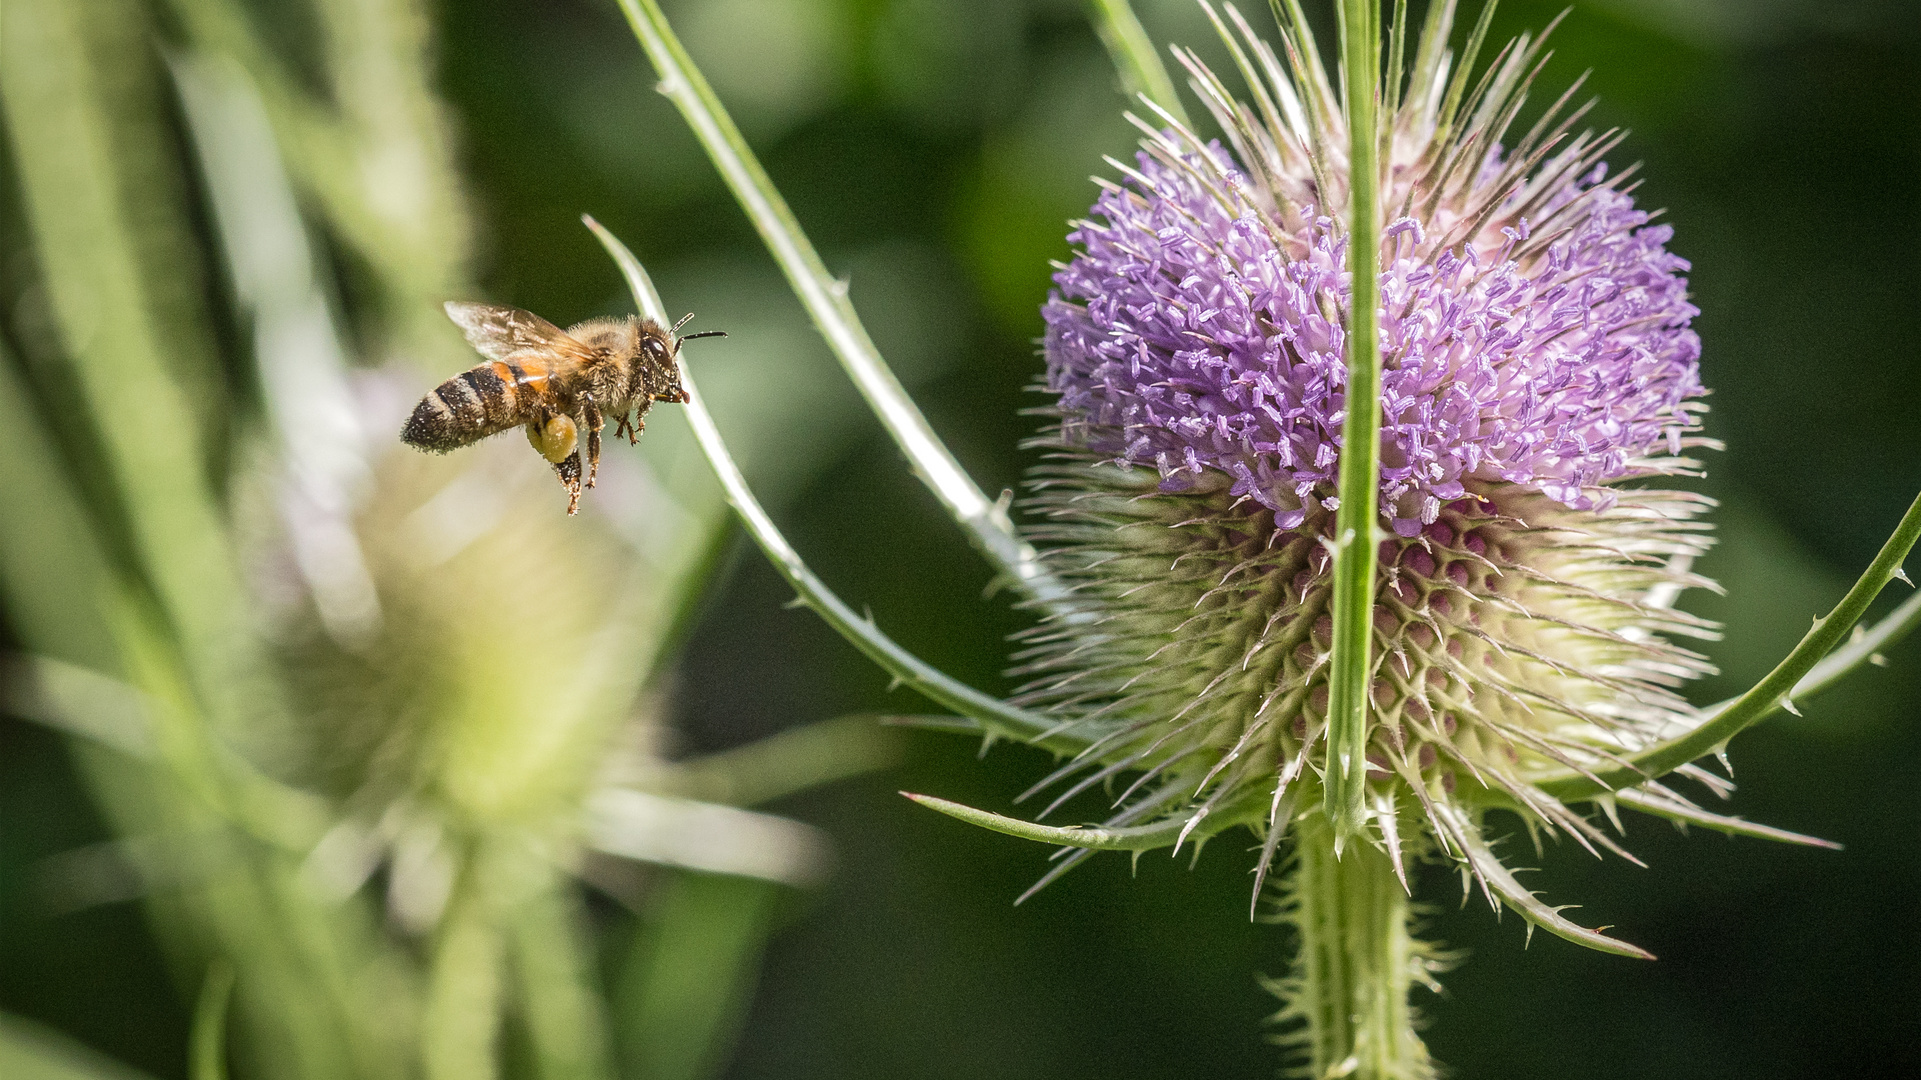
(556, 383)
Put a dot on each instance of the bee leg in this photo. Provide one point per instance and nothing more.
(568, 469)
(591, 414)
(623, 426)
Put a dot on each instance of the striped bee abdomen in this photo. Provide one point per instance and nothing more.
(481, 401)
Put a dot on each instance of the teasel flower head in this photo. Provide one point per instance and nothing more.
(1539, 383)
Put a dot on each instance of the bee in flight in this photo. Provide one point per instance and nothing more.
(556, 383)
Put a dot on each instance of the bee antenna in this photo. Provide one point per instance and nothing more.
(681, 323)
(705, 333)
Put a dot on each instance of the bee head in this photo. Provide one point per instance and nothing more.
(669, 387)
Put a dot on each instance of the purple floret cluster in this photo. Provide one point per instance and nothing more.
(1183, 337)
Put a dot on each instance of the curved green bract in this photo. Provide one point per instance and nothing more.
(1863, 649)
(826, 302)
(1733, 826)
(996, 716)
(1499, 880)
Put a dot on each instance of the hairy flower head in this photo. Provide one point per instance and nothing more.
(1538, 367)
(1187, 336)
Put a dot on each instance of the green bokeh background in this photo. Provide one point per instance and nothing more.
(933, 150)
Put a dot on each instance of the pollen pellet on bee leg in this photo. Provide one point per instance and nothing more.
(554, 438)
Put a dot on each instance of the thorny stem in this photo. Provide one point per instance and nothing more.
(1357, 959)
(1355, 528)
(1357, 962)
(826, 301)
(908, 670)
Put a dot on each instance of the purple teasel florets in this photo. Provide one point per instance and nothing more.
(1184, 338)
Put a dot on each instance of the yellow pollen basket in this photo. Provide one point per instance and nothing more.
(554, 437)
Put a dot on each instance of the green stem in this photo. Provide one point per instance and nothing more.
(1355, 527)
(1357, 961)
(1142, 72)
(553, 978)
(207, 1048)
(461, 1024)
(683, 991)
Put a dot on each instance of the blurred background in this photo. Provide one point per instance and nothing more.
(281, 193)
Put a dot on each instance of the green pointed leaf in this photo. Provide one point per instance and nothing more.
(953, 725)
(1136, 838)
(1733, 826)
(789, 761)
(1499, 879)
(1134, 55)
(707, 837)
(1098, 838)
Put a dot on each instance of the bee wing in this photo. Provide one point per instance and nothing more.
(499, 332)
